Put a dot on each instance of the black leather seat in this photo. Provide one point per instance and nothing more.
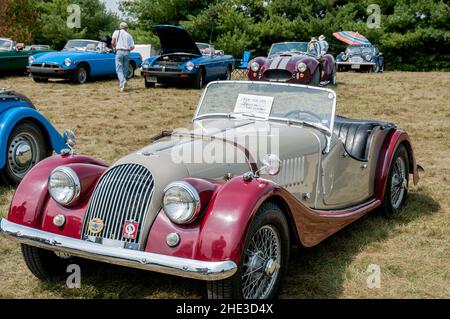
(356, 135)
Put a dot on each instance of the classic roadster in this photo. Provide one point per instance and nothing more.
(360, 58)
(26, 137)
(181, 61)
(14, 56)
(79, 61)
(264, 167)
(294, 62)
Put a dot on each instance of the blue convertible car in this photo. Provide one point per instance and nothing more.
(360, 57)
(79, 61)
(26, 137)
(182, 61)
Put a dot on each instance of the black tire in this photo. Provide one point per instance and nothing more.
(315, 81)
(199, 80)
(26, 136)
(44, 264)
(81, 75)
(131, 71)
(391, 204)
(269, 216)
(149, 85)
(376, 68)
(228, 74)
(40, 80)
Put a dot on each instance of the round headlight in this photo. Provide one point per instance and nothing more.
(31, 59)
(67, 62)
(344, 58)
(255, 66)
(181, 202)
(190, 66)
(302, 67)
(368, 57)
(145, 65)
(64, 185)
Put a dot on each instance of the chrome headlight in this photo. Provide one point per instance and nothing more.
(255, 66)
(181, 202)
(145, 65)
(301, 67)
(368, 57)
(31, 59)
(64, 185)
(190, 66)
(344, 58)
(67, 62)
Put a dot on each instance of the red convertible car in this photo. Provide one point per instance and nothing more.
(292, 174)
(294, 62)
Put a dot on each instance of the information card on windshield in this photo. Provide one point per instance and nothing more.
(259, 106)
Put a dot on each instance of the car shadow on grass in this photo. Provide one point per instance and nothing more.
(317, 272)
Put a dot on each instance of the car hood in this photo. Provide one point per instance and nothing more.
(60, 56)
(175, 40)
(287, 61)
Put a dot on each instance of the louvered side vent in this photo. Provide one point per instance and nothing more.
(123, 194)
(292, 172)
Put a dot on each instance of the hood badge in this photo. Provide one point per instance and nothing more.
(96, 226)
(130, 229)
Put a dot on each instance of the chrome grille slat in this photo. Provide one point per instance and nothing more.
(124, 193)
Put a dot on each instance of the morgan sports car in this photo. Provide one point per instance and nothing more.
(263, 168)
(26, 137)
(361, 58)
(182, 61)
(79, 61)
(294, 62)
(14, 56)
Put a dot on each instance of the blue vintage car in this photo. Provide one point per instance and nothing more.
(360, 57)
(79, 61)
(26, 137)
(181, 61)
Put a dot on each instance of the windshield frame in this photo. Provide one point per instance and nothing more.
(11, 45)
(274, 44)
(327, 131)
(86, 40)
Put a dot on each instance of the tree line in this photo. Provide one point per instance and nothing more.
(412, 34)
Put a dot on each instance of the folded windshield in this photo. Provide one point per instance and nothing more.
(269, 101)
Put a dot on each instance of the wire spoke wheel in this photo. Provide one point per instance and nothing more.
(262, 263)
(398, 182)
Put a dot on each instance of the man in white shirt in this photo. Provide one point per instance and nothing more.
(323, 45)
(123, 43)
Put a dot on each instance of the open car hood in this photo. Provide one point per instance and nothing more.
(175, 40)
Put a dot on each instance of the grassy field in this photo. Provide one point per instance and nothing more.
(412, 248)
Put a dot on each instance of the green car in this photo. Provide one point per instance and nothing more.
(14, 57)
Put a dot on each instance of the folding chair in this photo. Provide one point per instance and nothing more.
(241, 69)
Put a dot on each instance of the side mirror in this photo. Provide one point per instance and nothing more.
(69, 138)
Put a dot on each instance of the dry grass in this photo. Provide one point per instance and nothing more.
(412, 249)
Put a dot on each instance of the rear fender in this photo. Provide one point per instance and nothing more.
(392, 142)
(11, 117)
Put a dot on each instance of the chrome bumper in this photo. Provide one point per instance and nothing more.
(183, 267)
(354, 63)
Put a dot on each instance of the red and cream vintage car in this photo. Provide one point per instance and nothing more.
(294, 62)
(263, 168)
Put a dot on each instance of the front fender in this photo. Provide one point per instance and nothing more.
(31, 202)
(10, 118)
(221, 232)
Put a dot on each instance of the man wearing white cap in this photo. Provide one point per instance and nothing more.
(123, 43)
(323, 45)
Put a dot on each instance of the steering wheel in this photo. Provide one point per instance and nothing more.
(296, 115)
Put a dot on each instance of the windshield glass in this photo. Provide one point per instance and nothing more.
(83, 45)
(269, 101)
(359, 50)
(278, 48)
(5, 45)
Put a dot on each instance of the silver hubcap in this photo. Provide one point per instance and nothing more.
(261, 264)
(399, 183)
(22, 154)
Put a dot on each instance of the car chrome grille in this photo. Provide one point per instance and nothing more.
(45, 65)
(277, 75)
(123, 194)
(356, 59)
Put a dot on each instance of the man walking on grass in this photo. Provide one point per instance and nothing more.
(123, 43)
